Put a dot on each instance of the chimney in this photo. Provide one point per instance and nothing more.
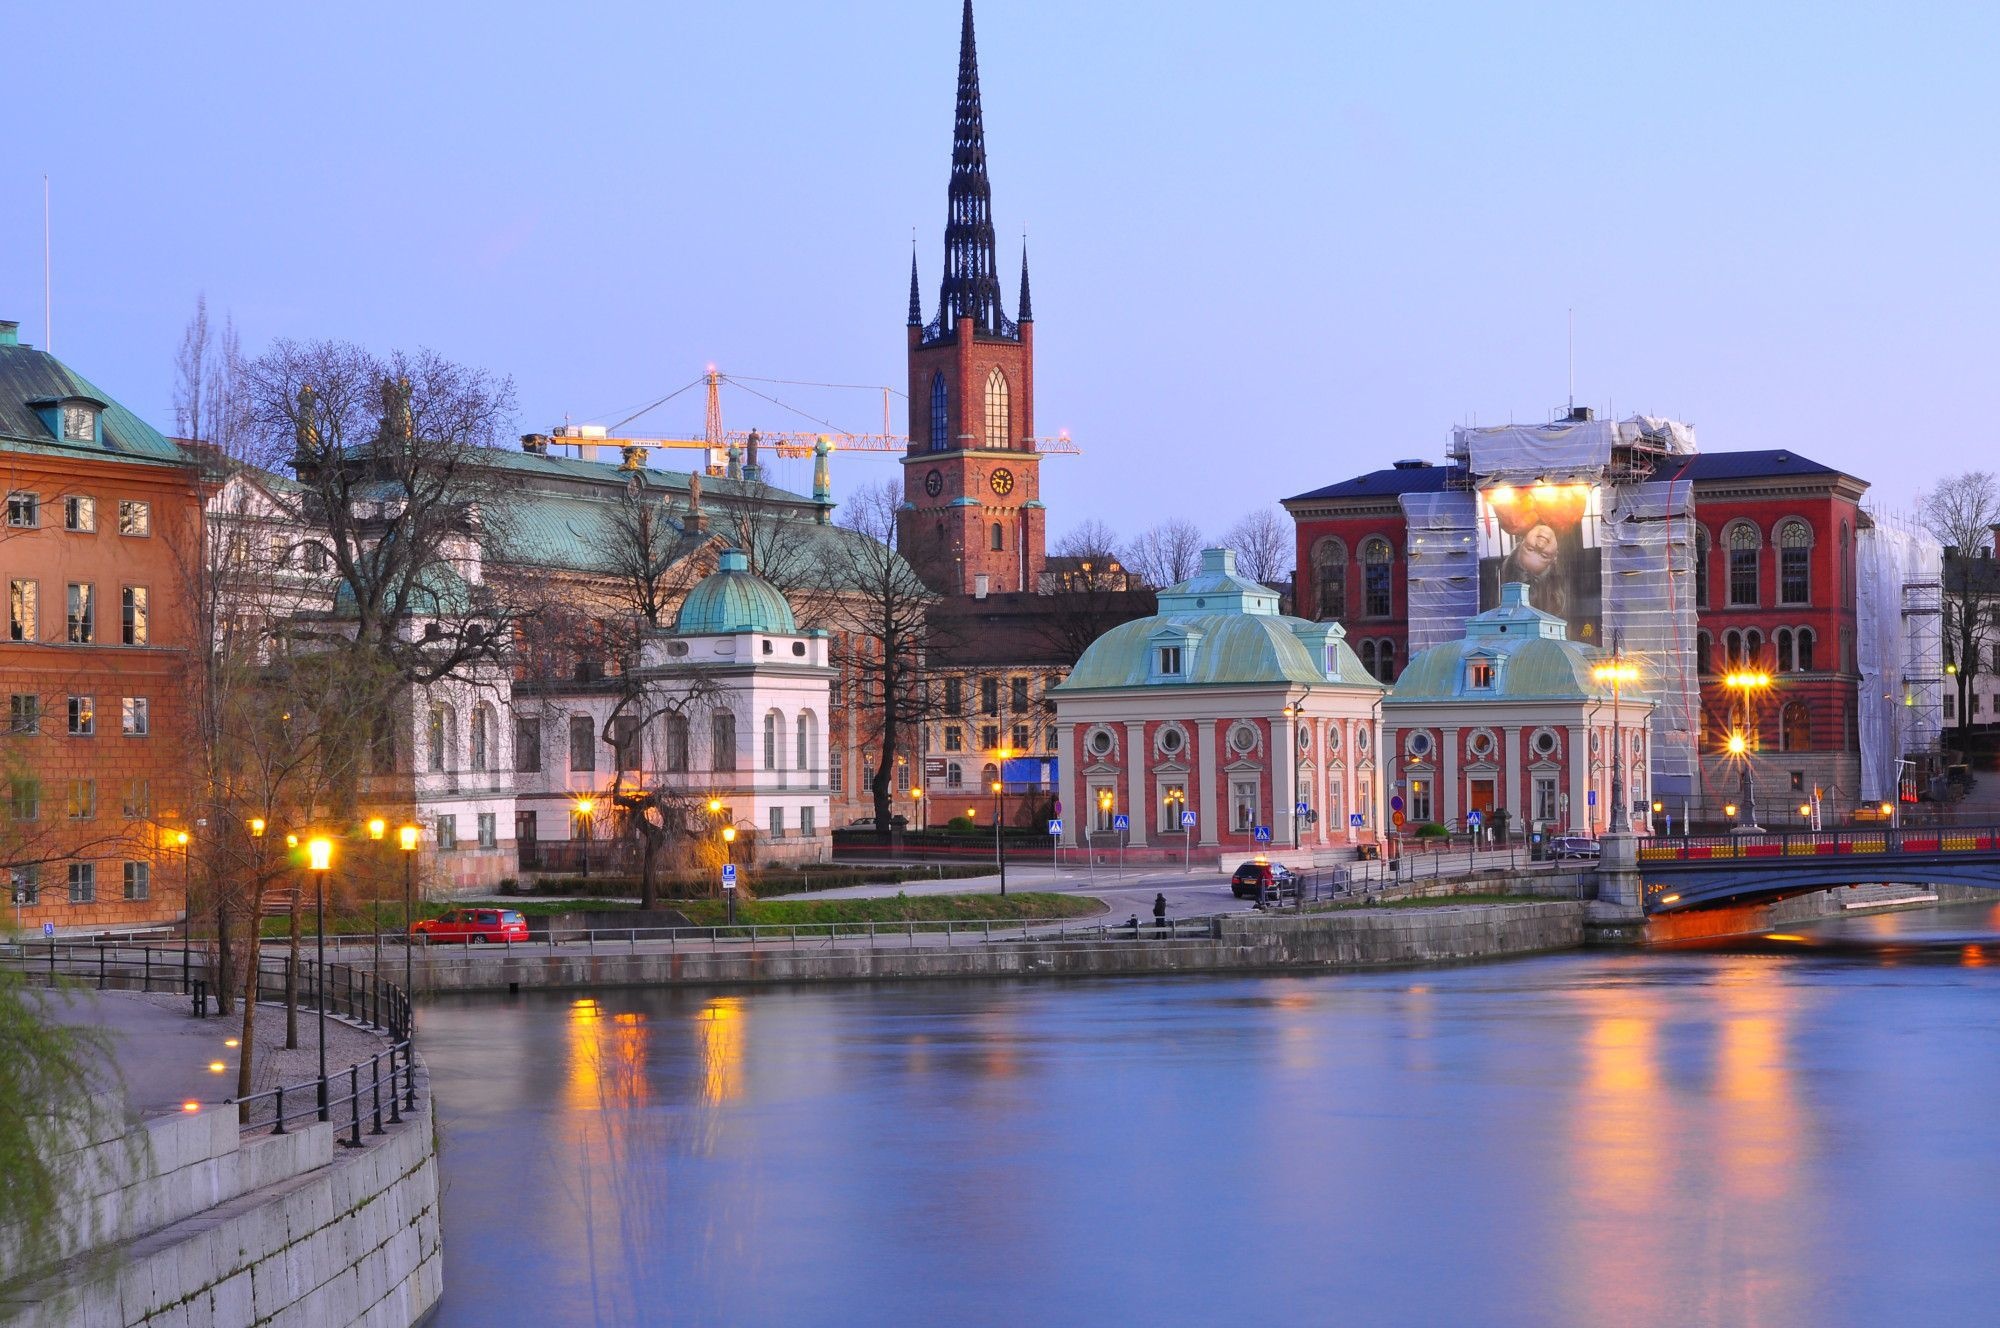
(535, 444)
(634, 457)
(1996, 541)
(10, 332)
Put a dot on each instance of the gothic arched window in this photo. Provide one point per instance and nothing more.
(996, 411)
(1795, 562)
(999, 537)
(940, 415)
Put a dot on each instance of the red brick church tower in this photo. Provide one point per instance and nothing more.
(972, 521)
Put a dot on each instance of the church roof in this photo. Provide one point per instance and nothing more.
(734, 599)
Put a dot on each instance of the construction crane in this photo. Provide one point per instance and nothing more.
(584, 440)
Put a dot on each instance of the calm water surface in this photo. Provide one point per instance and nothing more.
(1785, 1132)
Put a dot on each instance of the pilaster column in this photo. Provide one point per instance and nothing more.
(1069, 784)
(1205, 774)
(1513, 796)
(1448, 802)
(1135, 783)
(1579, 776)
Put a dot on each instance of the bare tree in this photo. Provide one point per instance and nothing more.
(1961, 513)
(1167, 553)
(884, 647)
(1264, 546)
(1089, 591)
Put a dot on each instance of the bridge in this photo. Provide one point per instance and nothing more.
(1690, 872)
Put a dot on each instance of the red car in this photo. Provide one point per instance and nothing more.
(472, 926)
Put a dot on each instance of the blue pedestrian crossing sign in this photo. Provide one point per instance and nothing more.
(1354, 819)
(729, 876)
(1187, 820)
(1472, 820)
(1301, 809)
(1121, 822)
(1262, 834)
(1055, 827)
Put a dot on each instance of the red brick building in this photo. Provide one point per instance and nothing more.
(101, 510)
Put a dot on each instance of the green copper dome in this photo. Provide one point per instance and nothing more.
(733, 599)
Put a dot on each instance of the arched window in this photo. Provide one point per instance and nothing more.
(1732, 648)
(940, 414)
(1368, 657)
(774, 740)
(1794, 562)
(1753, 648)
(1701, 547)
(999, 537)
(1784, 639)
(996, 411)
(1795, 727)
(1745, 540)
(1388, 661)
(1703, 665)
(1329, 562)
(808, 740)
(482, 735)
(1802, 648)
(989, 775)
(1376, 560)
(722, 740)
(443, 737)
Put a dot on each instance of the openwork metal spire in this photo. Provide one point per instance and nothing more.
(916, 297)
(1026, 306)
(971, 286)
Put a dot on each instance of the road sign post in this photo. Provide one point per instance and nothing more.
(1187, 840)
(1055, 838)
(729, 889)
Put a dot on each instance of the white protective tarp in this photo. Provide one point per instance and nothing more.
(1648, 568)
(1443, 553)
(1897, 650)
(1512, 453)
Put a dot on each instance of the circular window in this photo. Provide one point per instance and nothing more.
(1596, 742)
(1170, 741)
(1305, 738)
(1419, 744)
(798, 647)
(1362, 741)
(1333, 738)
(1481, 744)
(1545, 743)
(1243, 738)
(677, 647)
(1100, 741)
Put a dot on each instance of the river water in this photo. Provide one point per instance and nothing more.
(1784, 1131)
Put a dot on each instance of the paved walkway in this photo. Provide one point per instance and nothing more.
(165, 1057)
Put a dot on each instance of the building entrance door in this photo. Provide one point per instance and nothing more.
(524, 840)
(1481, 796)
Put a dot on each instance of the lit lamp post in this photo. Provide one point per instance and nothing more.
(406, 843)
(183, 839)
(1617, 671)
(729, 892)
(377, 828)
(1746, 684)
(917, 797)
(1003, 755)
(584, 807)
(319, 860)
(1176, 804)
(1296, 713)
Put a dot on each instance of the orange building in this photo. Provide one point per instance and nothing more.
(100, 512)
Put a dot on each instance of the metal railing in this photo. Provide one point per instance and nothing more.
(1880, 840)
(343, 989)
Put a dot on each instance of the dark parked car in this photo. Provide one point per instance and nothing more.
(1253, 878)
(1574, 846)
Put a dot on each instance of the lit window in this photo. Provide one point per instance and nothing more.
(1479, 674)
(82, 716)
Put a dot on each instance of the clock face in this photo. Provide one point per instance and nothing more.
(934, 483)
(1003, 482)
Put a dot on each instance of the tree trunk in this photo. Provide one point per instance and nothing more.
(291, 978)
(649, 891)
(225, 971)
(247, 1041)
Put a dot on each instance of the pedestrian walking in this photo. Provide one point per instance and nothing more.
(1160, 909)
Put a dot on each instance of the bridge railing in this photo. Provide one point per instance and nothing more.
(1874, 840)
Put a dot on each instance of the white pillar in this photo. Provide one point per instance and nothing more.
(1069, 778)
(1448, 809)
(1204, 742)
(1579, 775)
(1284, 782)
(1135, 783)
(1519, 803)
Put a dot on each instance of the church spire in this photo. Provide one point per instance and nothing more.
(916, 298)
(1027, 306)
(971, 285)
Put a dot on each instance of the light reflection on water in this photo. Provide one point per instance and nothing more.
(1774, 1133)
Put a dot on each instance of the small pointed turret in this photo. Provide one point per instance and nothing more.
(916, 297)
(971, 286)
(1027, 305)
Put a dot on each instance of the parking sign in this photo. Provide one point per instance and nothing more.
(729, 876)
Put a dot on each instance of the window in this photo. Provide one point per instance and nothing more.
(1376, 561)
(316, 558)
(1173, 801)
(1846, 568)
(79, 513)
(940, 416)
(989, 736)
(482, 724)
(1243, 804)
(527, 743)
(996, 412)
(722, 740)
(1420, 801)
(773, 740)
(23, 610)
(138, 804)
(138, 880)
(1329, 561)
(676, 738)
(443, 737)
(1701, 543)
(134, 518)
(135, 716)
(27, 881)
(134, 616)
(954, 775)
(1949, 707)
(82, 717)
(1368, 657)
(582, 743)
(447, 833)
(954, 696)
(82, 614)
(1545, 797)
(989, 696)
(1021, 739)
(1783, 641)
(82, 801)
(808, 742)
(24, 713)
(777, 823)
(836, 770)
(1703, 664)
(954, 740)
(625, 743)
(1017, 700)
(1795, 727)
(79, 424)
(1387, 659)
(489, 830)
(1794, 562)
(24, 798)
(807, 827)
(1479, 674)
(999, 540)
(83, 883)
(24, 510)
(1170, 661)
(1744, 542)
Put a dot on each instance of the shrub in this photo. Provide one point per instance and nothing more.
(961, 825)
(1432, 830)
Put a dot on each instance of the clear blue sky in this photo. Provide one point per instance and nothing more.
(1273, 245)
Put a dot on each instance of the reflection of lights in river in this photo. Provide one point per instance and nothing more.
(720, 1029)
(1973, 956)
(607, 1057)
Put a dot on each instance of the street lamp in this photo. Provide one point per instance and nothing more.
(377, 827)
(1746, 684)
(319, 860)
(584, 806)
(728, 844)
(1176, 804)
(1002, 755)
(917, 796)
(406, 843)
(1296, 713)
(1617, 672)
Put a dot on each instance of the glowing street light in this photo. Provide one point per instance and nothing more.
(406, 844)
(319, 860)
(1617, 671)
(585, 805)
(377, 827)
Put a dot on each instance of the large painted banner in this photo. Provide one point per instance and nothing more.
(1544, 535)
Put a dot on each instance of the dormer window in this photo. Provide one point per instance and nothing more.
(1479, 674)
(79, 423)
(1330, 660)
(1170, 661)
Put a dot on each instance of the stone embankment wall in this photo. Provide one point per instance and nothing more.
(183, 1222)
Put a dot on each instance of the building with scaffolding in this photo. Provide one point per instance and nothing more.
(1782, 632)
